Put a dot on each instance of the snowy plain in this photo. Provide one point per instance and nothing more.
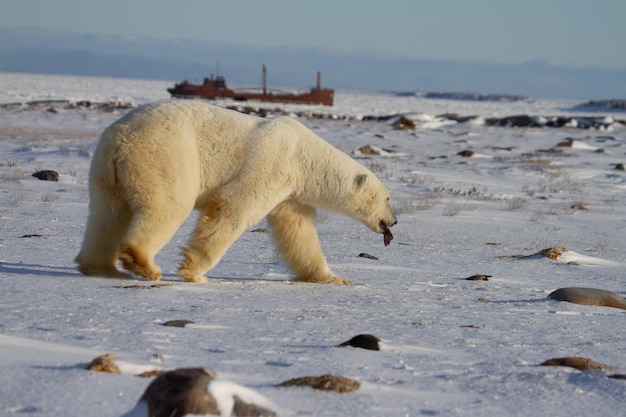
(451, 347)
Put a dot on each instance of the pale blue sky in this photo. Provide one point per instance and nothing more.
(563, 32)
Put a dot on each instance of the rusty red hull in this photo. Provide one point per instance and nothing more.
(215, 88)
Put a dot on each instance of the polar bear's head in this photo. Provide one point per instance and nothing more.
(369, 200)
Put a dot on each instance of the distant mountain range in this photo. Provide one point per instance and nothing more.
(59, 52)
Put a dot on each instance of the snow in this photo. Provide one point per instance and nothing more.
(450, 347)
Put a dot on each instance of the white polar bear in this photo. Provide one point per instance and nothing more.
(160, 161)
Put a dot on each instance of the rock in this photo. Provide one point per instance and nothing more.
(194, 391)
(369, 150)
(326, 382)
(478, 278)
(582, 364)
(466, 153)
(578, 206)
(177, 323)
(404, 123)
(551, 253)
(620, 167)
(618, 376)
(590, 297)
(150, 374)
(367, 256)
(567, 143)
(104, 363)
(520, 120)
(363, 341)
(179, 392)
(47, 175)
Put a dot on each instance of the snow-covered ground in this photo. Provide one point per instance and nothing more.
(451, 347)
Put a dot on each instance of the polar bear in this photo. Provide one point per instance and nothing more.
(161, 161)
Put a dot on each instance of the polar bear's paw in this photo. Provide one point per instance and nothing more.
(133, 261)
(326, 279)
(189, 275)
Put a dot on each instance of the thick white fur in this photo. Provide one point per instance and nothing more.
(160, 161)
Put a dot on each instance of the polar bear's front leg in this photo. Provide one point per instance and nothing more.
(221, 222)
(293, 227)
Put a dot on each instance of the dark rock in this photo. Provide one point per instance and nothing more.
(177, 323)
(369, 150)
(188, 391)
(47, 175)
(520, 120)
(363, 341)
(618, 376)
(466, 153)
(404, 123)
(579, 206)
(180, 392)
(567, 143)
(582, 364)
(620, 167)
(368, 256)
(326, 382)
(457, 117)
(478, 278)
(589, 296)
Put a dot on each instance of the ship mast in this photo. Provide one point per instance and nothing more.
(264, 80)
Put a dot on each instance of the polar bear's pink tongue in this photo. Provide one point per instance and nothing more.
(387, 236)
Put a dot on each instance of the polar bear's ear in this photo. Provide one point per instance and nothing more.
(360, 180)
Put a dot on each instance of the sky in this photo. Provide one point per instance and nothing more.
(572, 33)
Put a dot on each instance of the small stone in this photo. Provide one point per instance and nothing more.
(47, 175)
(582, 364)
(368, 256)
(620, 167)
(578, 206)
(478, 278)
(369, 150)
(363, 341)
(404, 123)
(466, 153)
(326, 382)
(104, 363)
(150, 374)
(177, 323)
(551, 253)
(567, 143)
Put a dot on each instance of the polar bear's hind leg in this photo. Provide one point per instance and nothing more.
(108, 220)
(149, 230)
